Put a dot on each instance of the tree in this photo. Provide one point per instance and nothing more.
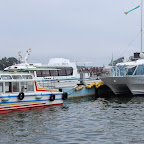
(6, 62)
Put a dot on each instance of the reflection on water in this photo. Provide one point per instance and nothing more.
(110, 120)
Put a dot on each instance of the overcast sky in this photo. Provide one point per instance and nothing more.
(80, 30)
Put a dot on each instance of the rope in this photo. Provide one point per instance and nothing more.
(131, 43)
(72, 89)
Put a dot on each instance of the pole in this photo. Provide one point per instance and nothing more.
(141, 24)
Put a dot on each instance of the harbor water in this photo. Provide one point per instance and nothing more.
(108, 120)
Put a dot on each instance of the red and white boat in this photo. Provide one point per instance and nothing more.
(20, 91)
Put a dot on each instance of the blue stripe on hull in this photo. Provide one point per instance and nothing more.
(31, 95)
(29, 101)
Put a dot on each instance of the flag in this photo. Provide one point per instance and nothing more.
(132, 9)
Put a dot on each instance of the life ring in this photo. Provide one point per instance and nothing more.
(64, 95)
(52, 97)
(21, 96)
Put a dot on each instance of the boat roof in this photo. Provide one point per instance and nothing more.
(27, 69)
(134, 63)
(14, 73)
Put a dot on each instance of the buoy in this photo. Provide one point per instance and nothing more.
(90, 85)
(21, 96)
(79, 88)
(100, 83)
(97, 85)
(52, 97)
(64, 95)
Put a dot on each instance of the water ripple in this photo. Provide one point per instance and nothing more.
(112, 120)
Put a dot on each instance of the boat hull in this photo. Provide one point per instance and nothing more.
(136, 84)
(117, 85)
(11, 102)
(71, 85)
(72, 93)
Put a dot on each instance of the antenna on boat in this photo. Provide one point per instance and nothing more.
(20, 56)
(28, 53)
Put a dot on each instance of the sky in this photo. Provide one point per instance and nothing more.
(79, 30)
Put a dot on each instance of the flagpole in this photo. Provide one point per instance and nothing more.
(141, 24)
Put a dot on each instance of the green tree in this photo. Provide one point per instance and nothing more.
(6, 62)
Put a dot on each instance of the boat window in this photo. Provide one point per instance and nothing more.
(69, 71)
(140, 70)
(39, 73)
(15, 86)
(62, 72)
(16, 76)
(30, 71)
(27, 86)
(8, 87)
(53, 72)
(130, 71)
(1, 87)
(27, 77)
(6, 77)
(45, 73)
(122, 70)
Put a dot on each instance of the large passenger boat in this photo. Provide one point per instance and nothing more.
(57, 69)
(21, 91)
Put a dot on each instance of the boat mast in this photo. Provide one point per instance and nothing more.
(141, 24)
(28, 53)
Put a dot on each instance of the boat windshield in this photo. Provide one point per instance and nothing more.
(131, 70)
(122, 70)
(140, 70)
(119, 71)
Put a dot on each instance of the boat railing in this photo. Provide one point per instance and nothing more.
(47, 84)
(115, 71)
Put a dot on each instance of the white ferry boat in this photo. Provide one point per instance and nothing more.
(59, 72)
(21, 91)
(57, 69)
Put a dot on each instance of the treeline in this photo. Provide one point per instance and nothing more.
(5, 62)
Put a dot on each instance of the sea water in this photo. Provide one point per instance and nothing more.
(91, 120)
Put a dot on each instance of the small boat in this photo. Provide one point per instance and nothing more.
(20, 91)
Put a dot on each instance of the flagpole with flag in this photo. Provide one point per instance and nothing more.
(141, 20)
(132, 9)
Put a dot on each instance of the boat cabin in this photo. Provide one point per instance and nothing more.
(48, 72)
(16, 82)
(128, 70)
